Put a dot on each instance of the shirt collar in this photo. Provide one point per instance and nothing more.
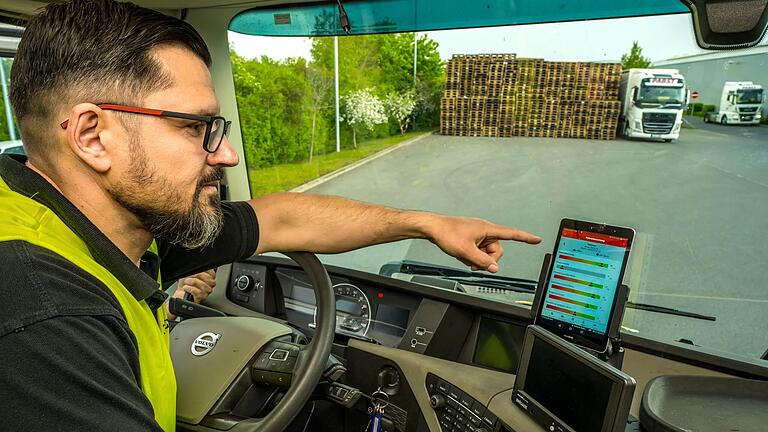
(140, 282)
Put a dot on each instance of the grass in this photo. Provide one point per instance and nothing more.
(285, 177)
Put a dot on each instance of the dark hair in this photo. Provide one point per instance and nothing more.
(91, 51)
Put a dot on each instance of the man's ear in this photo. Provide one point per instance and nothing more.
(85, 132)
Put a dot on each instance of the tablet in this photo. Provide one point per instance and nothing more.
(565, 389)
(587, 267)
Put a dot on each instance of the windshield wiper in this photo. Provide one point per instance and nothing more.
(505, 283)
(669, 311)
(459, 275)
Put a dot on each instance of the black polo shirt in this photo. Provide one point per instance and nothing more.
(68, 361)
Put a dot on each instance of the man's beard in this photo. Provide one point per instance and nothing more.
(156, 203)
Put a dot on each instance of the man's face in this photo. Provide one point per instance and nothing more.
(165, 177)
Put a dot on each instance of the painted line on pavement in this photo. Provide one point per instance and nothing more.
(332, 175)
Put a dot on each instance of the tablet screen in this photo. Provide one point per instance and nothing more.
(585, 273)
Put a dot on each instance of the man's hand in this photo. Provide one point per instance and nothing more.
(475, 242)
(199, 285)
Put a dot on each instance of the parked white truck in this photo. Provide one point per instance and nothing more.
(740, 103)
(652, 103)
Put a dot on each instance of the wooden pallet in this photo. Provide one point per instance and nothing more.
(500, 95)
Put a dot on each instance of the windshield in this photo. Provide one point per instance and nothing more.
(749, 96)
(518, 125)
(660, 95)
(8, 131)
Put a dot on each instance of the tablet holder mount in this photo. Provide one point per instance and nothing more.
(614, 355)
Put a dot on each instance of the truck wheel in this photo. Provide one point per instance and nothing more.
(706, 118)
(724, 120)
(667, 140)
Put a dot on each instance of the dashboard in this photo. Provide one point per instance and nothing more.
(387, 311)
(362, 311)
(401, 317)
(447, 359)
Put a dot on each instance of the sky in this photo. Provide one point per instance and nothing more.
(661, 37)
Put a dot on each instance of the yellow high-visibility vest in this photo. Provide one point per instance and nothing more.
(22, 218)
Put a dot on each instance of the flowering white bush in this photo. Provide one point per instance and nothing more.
(363, 109)
(399, 108)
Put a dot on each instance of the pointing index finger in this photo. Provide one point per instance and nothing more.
(502, 232)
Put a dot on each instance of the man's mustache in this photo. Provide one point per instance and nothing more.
(215, 175)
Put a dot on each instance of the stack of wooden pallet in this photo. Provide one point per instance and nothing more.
(499, 95)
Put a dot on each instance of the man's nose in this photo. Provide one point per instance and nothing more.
(225, 155)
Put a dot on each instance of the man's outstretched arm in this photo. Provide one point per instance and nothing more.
(327, 224)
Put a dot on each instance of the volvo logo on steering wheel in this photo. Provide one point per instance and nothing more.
(204, 343)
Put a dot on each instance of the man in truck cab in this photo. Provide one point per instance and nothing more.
(118, 193)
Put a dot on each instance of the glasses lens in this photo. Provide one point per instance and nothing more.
(217, 134)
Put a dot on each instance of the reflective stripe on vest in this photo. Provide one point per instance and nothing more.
(22, 218)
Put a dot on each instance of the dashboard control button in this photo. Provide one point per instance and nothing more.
(455, 393)
(478, 409)
(244, 283)
(465, 412)
(437, 402)
(489, 419)
(466, 400)
(443, 386)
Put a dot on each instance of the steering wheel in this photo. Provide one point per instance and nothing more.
(219, 360)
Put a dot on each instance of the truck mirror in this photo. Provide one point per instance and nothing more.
(728, 24)
(687, 98)
(634, 94)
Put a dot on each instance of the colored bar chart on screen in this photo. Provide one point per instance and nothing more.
(578, 281)
(583, 261)
(582, 271)
(572, 301)
(570, 312)
(575, 291)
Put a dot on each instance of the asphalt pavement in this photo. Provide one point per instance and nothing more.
(699, 206)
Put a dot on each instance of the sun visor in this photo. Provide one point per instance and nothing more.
(728, 24)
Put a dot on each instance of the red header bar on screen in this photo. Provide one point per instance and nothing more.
(595, 237)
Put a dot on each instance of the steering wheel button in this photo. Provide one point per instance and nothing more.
(262, 362)
(279, 355)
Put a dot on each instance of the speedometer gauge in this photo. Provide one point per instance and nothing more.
(353, 309)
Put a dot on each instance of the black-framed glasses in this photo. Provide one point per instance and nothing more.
(216, 128)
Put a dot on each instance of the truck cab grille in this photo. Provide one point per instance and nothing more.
(658, 123)
(748, 110)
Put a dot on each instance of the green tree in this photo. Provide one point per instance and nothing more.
(395, 59)
(320, 84)
(399, 108)
(363, 110)
(273, 101)
(384, 63)
(635, 59)
(287, 107)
